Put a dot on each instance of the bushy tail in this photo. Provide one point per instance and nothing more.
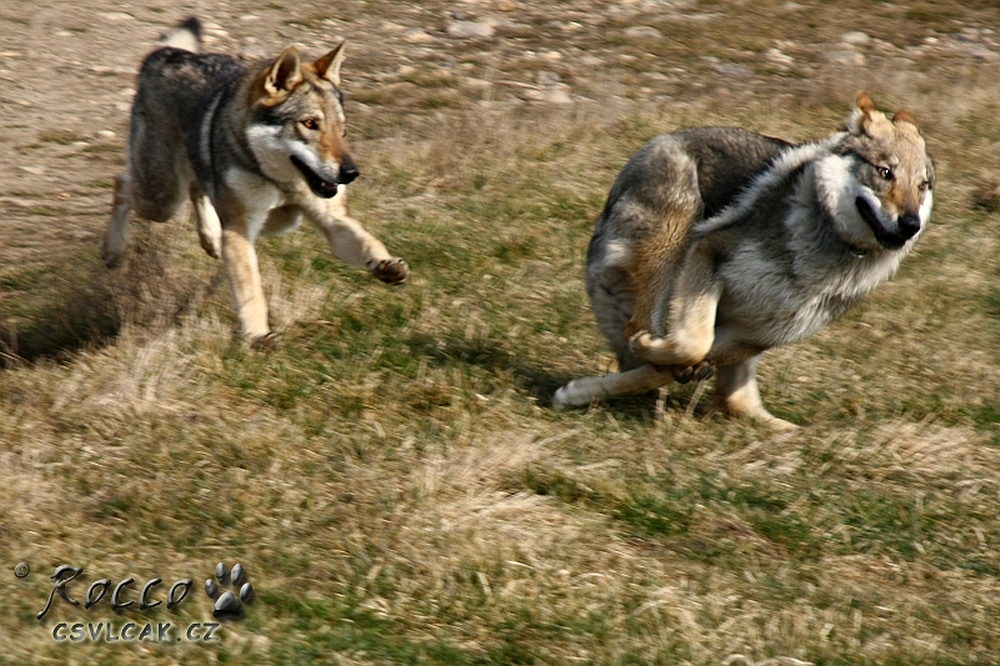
(185, 36)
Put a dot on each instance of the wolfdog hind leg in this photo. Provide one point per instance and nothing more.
(115, 239)
(581, 392)
(207, 222)
(690, 329)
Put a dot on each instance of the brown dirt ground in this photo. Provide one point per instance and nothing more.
(67, 72)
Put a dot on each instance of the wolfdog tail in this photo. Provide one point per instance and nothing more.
(185, 36)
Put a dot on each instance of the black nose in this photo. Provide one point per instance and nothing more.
(909, 225)
(348, 172)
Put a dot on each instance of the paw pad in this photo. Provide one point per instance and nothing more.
(392, 271)
(229, 604)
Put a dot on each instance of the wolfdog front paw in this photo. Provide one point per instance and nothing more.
(393, 271)
(266, 342)
(698, 371)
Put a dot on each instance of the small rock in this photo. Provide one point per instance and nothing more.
(643, 32)
(733, 69)
(417, 36)
(478, 84)
(842, 57)
(116, 16)
(217, 32)
(254, 52)
(558, 96)
(855, 38)
(469, 30)
(555, 95)
(777, 57)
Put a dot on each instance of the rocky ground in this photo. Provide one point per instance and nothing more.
(67, 71)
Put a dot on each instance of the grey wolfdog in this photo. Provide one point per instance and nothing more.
(717, 244)
(255, 148)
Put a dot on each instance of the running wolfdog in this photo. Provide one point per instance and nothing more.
(717, 244)
(255, 148)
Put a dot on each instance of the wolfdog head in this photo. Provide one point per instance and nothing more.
(297, 129)
(879, 181)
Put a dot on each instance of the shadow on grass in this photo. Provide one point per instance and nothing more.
(538, 380)
(533, 379)
(73, 314)
(76, 304)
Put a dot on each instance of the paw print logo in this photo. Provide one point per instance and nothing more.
(229, 604)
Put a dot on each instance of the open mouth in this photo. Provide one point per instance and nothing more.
(885, 238)
(320, 186)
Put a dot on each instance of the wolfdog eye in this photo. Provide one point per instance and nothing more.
(885, 172)
(310, 123)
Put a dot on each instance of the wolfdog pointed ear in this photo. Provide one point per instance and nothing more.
(328, 67)
(863, 114)
(284, 74)
(903, 116)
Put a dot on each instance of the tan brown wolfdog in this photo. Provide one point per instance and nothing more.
(255, 148)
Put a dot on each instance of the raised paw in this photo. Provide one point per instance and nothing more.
(638, 340)
(676, 349)
(392, 271)
(698, 371)
(656, 349)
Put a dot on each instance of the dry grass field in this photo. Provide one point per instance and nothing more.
(393, 477)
